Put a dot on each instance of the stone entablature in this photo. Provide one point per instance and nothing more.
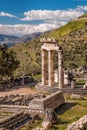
(51, 45)
(48, 40)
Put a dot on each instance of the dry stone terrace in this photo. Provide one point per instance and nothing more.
(26, 113)
(16, 99)
(79, 124)
(34, 103)
(15, 121)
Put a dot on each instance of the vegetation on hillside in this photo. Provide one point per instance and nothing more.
(72, 37)
(8, 62)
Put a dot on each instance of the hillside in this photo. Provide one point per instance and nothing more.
(83, 16)
(28, 37)
(73, 39)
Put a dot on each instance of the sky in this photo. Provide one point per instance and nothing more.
(22, 17)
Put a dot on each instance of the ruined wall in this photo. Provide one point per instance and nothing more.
(51, 101)
(79, 124)
(54, 100)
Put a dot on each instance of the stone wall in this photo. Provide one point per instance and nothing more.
(51, 101)
(37, 106)
(79, 124)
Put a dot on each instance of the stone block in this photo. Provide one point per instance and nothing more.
(76, 96)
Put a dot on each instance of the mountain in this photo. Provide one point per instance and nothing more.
(72, 37)
(7, 39)
(28, 37)
(12, 40)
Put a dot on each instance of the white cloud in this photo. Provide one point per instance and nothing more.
(48, 20)
(7, 15)
(22, 29)
(82, 8)
(53, 15)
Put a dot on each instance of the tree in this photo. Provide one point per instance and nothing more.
(8, 61)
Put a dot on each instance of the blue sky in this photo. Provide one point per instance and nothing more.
(21, 17)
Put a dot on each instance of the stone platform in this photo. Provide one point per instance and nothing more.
(79, 91)
(46, 89)
(53, 101)
(66, 90)
(37, 106)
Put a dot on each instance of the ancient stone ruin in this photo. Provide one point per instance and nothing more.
(50, 101)
(50, 45)
(48, 48)
(53, 96)
(79, 124)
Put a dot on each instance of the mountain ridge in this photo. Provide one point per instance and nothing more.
(12, 40)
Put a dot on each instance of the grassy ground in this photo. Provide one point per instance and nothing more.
(71, 111)
(34, 125)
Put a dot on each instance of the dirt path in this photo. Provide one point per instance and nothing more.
(23, 91)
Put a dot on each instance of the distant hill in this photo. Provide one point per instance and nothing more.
(28, 37)
(72, 37)
(7, 39)
(12, 40)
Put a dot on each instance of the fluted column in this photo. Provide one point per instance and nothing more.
(50, 68)
(43, 67)
(60, 69)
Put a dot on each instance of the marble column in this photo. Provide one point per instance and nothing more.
(50, 69)
(43, 67)
(60, 69)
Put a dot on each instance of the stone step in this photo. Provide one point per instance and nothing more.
(48, 89)
(16, 121)
(68, 90)
(76, 91)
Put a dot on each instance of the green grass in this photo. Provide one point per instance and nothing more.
(31, 126)
(66, 29)
(68, 113)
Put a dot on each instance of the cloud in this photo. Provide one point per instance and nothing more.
(53, 15)
(82, 8)
(47, 20)
(7, 15)
(22, 29)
